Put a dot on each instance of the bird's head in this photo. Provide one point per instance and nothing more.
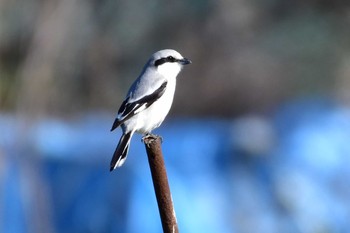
(168, 62)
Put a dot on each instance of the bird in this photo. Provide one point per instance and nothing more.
(148, 100)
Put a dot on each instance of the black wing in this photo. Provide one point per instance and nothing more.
(127, 110)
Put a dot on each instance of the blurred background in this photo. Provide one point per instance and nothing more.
(258, 138)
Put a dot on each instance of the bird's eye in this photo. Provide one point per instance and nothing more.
(171, 58)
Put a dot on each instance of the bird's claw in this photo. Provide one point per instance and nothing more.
(148, 138)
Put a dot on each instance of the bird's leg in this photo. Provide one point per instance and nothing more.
(151, 137)
(147, 136)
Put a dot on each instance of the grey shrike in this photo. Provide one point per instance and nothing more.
(148, 100)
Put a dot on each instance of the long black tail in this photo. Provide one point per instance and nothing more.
(121, 151)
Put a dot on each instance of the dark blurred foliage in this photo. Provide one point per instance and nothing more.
(59, 57)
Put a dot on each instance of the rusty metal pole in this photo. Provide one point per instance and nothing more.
(160, 183)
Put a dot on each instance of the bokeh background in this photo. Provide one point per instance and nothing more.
(258, 139)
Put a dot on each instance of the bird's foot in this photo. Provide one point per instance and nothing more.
(148, 138)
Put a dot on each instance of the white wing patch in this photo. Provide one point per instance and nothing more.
(127, 110)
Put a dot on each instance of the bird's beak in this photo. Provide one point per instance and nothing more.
(185, 61)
